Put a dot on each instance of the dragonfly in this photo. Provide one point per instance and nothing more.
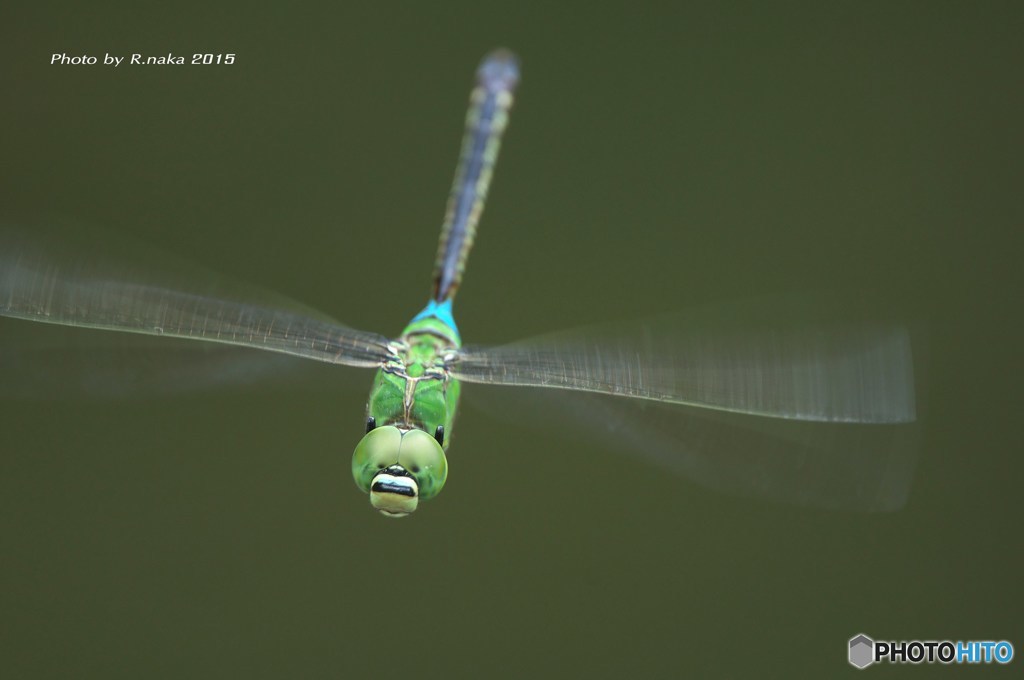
(784, 405)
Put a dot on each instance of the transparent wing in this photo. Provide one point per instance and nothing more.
(58, 363)
(786, 361)
(84, 285)
(838, 466)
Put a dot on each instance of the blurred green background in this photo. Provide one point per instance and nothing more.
(657, 159)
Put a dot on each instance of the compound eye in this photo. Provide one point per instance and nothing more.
(424, 459)
(378, 449)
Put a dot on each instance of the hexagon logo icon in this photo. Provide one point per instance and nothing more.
(862, 651)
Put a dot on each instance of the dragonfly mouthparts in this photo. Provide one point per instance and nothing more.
(387, 486)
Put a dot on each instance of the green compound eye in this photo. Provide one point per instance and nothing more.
(422, 456)
(398, 468)
(378, 449)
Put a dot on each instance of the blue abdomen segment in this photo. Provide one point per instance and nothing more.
(442, 311)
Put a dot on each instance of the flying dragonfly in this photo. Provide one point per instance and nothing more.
(787, 412)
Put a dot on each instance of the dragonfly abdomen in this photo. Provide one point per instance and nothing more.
(486, 120)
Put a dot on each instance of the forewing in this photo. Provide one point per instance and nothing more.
(750, 361)
(51, 282)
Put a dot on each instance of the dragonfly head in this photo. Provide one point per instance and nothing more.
(398, 468)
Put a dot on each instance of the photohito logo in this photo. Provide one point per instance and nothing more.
(864, 651)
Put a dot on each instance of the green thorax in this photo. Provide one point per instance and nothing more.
(412, 389)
